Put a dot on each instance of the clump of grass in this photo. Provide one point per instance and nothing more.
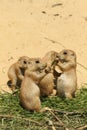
(72, 113)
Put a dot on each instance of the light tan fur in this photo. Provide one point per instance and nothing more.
(15, 71)
(29, 91)
(67, 81)
(47, 83)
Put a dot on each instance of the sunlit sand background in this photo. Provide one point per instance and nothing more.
(34, 27)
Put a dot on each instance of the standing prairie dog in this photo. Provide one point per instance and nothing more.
(16, 70)
(46, 85)
(29, 91)
(67, 81)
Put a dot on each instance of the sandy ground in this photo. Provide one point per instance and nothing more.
(33, 27)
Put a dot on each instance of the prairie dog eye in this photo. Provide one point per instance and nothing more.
(29, 62)
(65, 53)
(72, 54)
(25, 62)
(37, 61)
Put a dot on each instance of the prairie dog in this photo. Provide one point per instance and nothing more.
(16, 71)
(67, 81)
(29, 91)
(46, 85)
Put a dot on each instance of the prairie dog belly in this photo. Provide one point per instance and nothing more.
(65, 83)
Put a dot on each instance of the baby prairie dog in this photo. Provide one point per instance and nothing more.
(29, 91)
(46, 85)
(16, 71)
(67, 81)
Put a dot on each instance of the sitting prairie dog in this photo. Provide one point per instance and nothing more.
(46, 85)
(16, 71)
(67, 81)
(29, 91)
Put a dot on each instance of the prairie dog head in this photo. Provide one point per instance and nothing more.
(23, 62)
(66, 56)
(36, 64)
(50, 57)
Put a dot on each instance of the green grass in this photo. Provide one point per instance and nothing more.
(72, 113)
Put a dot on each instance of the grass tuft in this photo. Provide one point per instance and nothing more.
(64, 113)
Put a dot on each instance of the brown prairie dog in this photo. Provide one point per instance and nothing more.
(46, 85)
(15, 71)
(67, 81)
(29, 91)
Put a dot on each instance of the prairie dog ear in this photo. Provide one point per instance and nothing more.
(19, 59)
